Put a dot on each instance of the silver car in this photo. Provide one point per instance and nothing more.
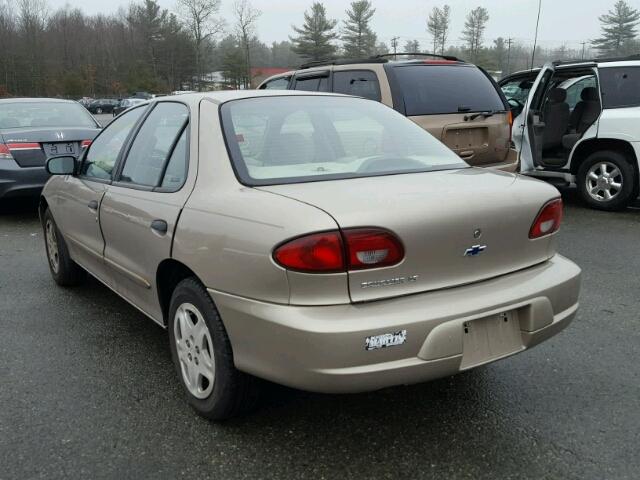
(318, 241)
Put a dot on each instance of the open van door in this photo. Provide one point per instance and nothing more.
(531, 148)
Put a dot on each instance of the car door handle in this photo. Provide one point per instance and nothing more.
(159, 226)
(93, 205)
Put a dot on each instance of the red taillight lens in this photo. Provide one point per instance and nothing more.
(372, 248)
(316, 253)
(5, 153)
(85, 143)
(331, 252)
(548, 220)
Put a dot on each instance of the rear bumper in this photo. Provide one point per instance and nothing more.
(322, 348)
(18, 181)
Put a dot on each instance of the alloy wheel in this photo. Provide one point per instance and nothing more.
(52, 246)
(604, 181)
(195, 350)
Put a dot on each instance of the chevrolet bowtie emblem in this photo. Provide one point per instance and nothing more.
(475, 250)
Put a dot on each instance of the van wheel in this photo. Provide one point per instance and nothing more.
(202, 354)
(64, 270)
(607, 181)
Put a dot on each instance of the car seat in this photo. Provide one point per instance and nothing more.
(556, 115)
(583, 116)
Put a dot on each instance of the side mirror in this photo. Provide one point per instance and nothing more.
(63, 165)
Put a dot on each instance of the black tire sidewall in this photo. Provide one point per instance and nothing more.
(222, 398)
(629, 185)
(69, 273)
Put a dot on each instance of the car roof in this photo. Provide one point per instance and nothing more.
(223, 96)
(323, 65)
(35, 100)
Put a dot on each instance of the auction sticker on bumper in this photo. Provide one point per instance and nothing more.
(386, 340)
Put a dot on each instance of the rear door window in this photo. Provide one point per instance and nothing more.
(154, 144)
(620, 86)
(313, 84)
(361, 83)
(442, 89)
(574, 92)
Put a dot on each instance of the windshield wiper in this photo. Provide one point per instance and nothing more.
(487, 114)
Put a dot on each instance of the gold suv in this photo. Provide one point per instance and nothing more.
(457, 102)
(319, 241)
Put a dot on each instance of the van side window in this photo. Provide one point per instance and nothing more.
(276, 84)
(313, 84)
(620, 87)
(361, 83)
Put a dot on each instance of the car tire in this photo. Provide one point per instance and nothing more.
(98, 111)
(64, 270)
(607, 181)
(203, 356)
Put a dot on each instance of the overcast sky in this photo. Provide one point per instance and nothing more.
(562, 22)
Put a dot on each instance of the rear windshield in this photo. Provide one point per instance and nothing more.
(440, 89)
(293, 139)
(44, 114)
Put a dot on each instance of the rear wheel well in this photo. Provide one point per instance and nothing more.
(169, 274)
(595, 145)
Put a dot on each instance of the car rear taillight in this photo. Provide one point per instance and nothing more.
(510, 120)
(335, 251)
(5, 153)
(315, 253)
(372, 248)
(548, 220)
(85, 143)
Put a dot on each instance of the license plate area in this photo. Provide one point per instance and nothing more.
(489, 338)
(466, 138)
(59, 148)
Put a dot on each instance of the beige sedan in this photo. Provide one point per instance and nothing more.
(318, 241)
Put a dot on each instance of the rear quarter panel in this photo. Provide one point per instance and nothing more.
(227, 232)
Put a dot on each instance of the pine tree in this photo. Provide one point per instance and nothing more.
(412, 46)
(314, 39)
(618, 29)
(445, 25)
(358, 38)
(438, 25)
(473, 32)
(434, 27)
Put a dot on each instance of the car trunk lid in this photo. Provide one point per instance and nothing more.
(457, 227)
(30, 147)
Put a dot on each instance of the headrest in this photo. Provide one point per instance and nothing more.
(557, 95)
(590, 94)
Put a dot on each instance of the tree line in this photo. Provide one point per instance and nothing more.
(145, 47)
